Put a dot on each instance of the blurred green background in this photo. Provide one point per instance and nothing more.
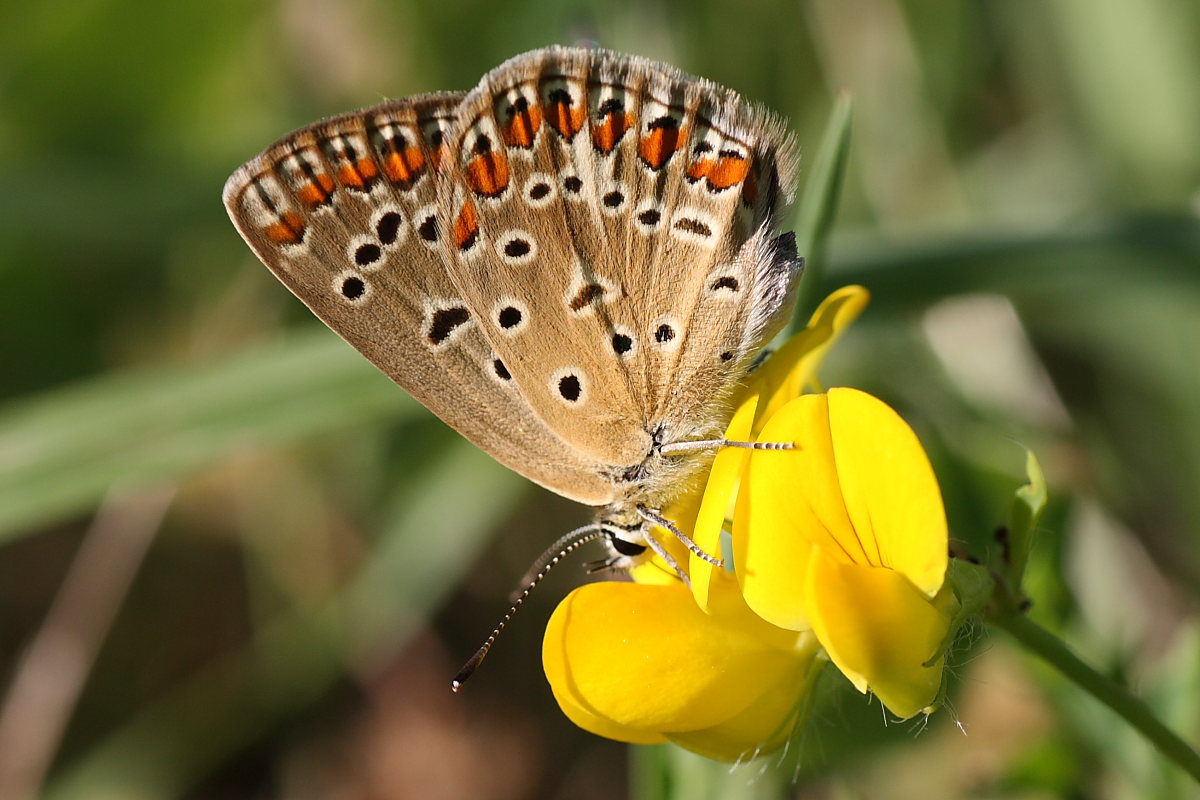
(238, 563)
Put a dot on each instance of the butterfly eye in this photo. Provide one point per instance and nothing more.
(587, 294)
(613, 201)
(665, 332)
(626, 548)
(693, 226)
(572, 185)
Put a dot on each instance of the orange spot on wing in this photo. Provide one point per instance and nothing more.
(316, 191)
(523, 127)
(657, 146)
(404, 166)
(466, 227)
(487, 174)
(349, 176)
(358, 174)
(563, 118)
(609, 132)
(367, 168)
(288, 230)
(700, 169)
(729, 171)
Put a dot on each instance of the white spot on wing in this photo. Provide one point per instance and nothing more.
(536, 180)
(516, 247)
(345, 286)
(501, 307)
(561, 386)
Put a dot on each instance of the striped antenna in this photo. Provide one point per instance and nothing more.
(567, 545)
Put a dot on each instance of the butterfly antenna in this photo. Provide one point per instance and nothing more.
(546, 562)
(551, 552)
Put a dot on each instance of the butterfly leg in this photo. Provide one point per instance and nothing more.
(713, 444)
(665, 555)
(656, 518)
(600, 565)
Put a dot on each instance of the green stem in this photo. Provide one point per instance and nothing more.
(1106, 690)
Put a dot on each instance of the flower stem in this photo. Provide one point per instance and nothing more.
(1104, 689)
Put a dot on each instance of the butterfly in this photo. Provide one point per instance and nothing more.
(574, 264)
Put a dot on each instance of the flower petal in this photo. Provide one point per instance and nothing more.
(790, 501)
(879, 630)
(646, 659)
(763, 727)
(594, 723)
(793, 367)
(719, 493)
(890, 491)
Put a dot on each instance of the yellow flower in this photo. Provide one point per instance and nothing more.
(839, 545)
(846, 536)
(642, 663)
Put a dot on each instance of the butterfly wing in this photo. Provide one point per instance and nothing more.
(345, 214)
(624, 212)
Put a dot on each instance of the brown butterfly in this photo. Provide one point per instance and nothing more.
(574, 264)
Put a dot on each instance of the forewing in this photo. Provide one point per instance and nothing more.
(628, 211)
(344, 212)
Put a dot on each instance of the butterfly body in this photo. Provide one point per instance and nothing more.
(573, 264)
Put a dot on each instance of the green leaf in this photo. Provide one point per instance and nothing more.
(61, 451)
(818, 207)
(1027, 506)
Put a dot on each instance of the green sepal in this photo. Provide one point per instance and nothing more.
(1028, 503)
(967, 590)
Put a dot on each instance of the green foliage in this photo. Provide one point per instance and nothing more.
(1029, 502)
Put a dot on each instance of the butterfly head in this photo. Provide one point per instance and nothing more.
(626, 544)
